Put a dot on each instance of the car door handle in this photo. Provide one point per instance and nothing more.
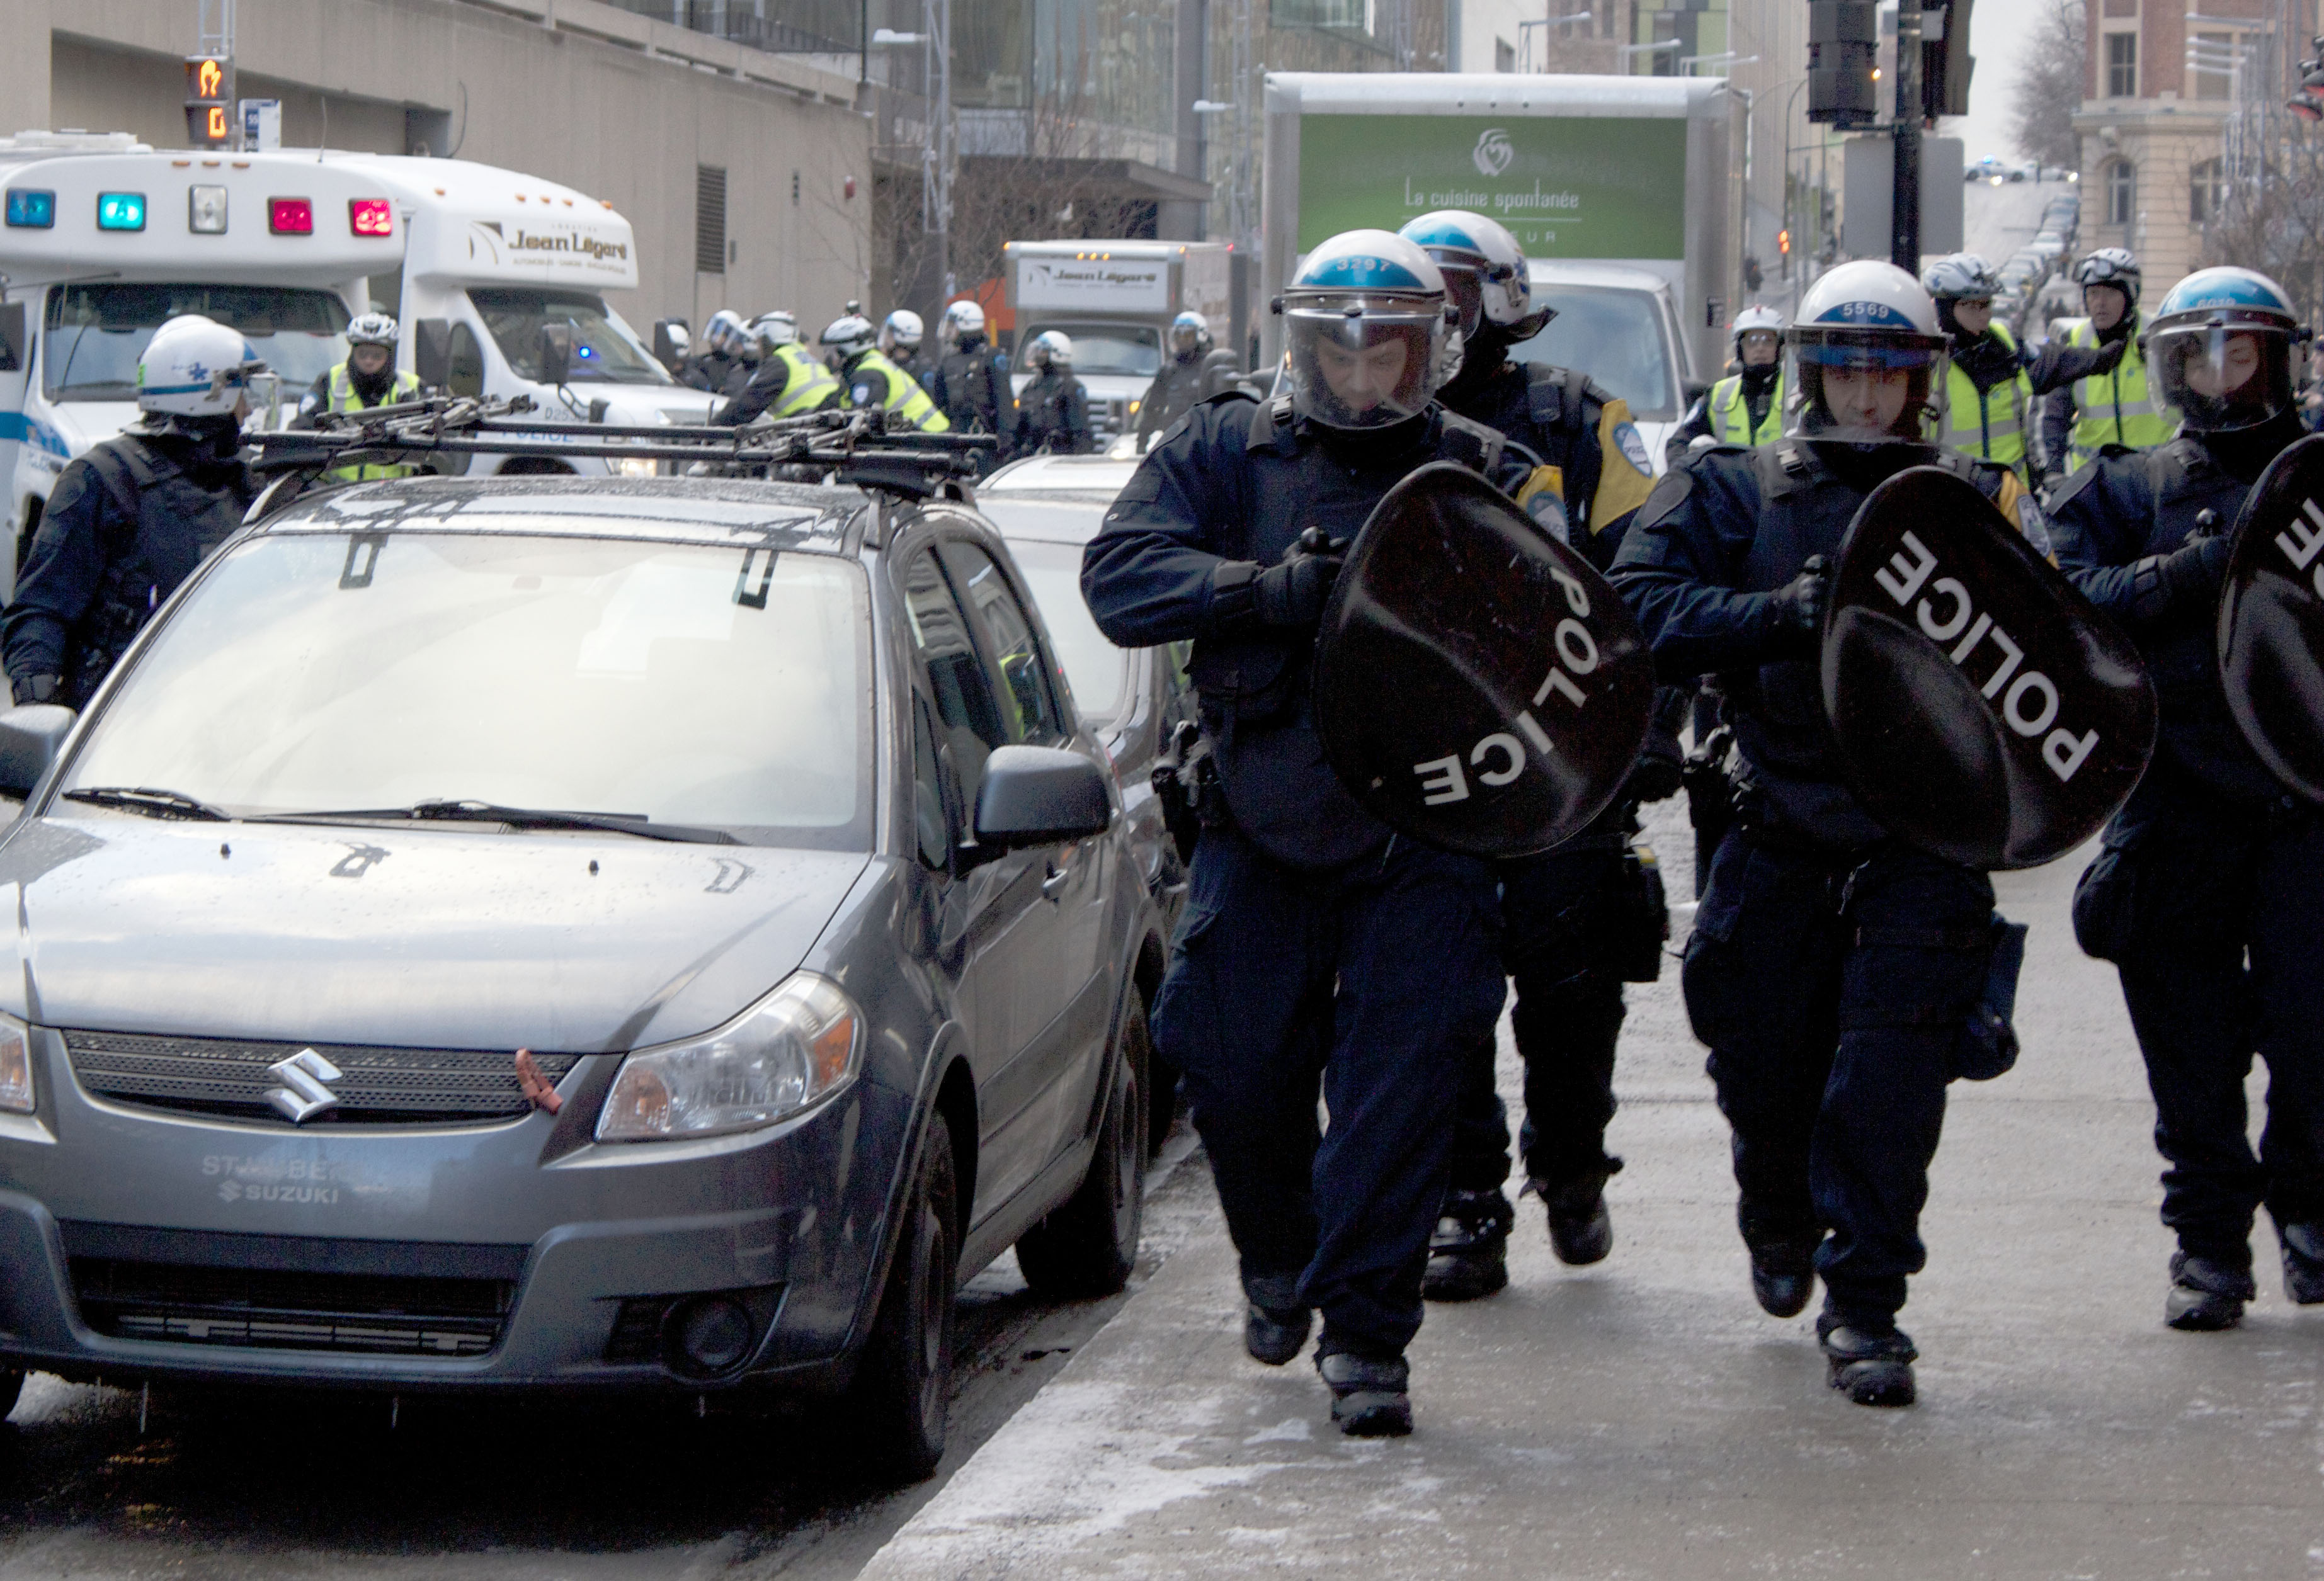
(1054, 886)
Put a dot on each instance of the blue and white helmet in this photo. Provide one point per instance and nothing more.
(2220, 346)
(195, 367)
(1867, 317)
(1190, 336)
(1366, 324)
(1485, 271)
(1052, 348)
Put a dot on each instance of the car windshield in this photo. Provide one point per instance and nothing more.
(97, 333)
(603, 348)
(1616, 337)
(1097, 671)
(718, 686)
(1107, 348)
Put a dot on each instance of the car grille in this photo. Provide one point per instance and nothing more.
(291, 1309)
(231, 1079)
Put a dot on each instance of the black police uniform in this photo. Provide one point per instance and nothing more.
(2208, 893)
(971, 386)
(1316, 948)
(715, 371)
(125, 524)
(1569, 915)
(1173, 394)
(918, 365)
(1053, 415)
(1830, 967)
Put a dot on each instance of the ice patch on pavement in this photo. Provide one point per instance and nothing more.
(1290, 1430)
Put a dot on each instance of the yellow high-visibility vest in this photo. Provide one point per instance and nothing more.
(2118, 408)
(1730, 414)
(905, 397)
(343, 398)
(811, 383)
(1989, 424)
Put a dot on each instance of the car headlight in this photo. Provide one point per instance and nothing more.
(636, 466)
(790, 1051)
(15, 1065)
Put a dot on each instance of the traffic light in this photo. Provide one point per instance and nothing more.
(1784, 243)
(2305, 103)
(1945, 61)
(1843, 61)
(210, 101)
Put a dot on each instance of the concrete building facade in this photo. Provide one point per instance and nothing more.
(746, 173)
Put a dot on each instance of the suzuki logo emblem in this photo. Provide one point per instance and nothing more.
(302, 1095)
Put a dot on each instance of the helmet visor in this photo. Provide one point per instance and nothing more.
(1466, 288)
(1865, 386)
(2222, 375)
(1363, 361)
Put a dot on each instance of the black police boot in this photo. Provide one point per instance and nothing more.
(1369, 1397)
(1468, 1253)
(2303, 1263)
(2206, 1295)
(1581, 1230)
(1275, 1328)
(1871, 1363)
(1783, 1271)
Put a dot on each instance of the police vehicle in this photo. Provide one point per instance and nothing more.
(622, 932)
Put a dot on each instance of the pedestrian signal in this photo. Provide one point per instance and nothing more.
(210, 101)
(1784, 243)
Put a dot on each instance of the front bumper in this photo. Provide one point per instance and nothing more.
(135, 1242)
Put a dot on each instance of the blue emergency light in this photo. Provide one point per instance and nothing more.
(29, 208)
(121, 211)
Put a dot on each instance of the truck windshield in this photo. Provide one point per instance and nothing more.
(1125, 349)
(696, 685)
(1616, 337)
(603, 349)
(97, 333)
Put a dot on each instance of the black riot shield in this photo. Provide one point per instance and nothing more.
(2272, 618)
(1477, 685)
(1984, 711)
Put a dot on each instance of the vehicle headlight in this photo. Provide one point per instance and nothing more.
(15, 1065)
(790, 1051)
(636, 466)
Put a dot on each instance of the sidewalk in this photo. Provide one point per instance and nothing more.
(1644, 1419)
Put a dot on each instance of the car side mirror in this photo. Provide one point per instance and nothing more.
(431, 352)
(555, 353)
(1037, 795)
(28, 738)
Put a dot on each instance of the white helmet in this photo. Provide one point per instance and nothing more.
(1866, 317)
(845, 335)
(1190, 336)
(965, 318)
(1052, 348)
(1757, 320)
(780, 327)
(372, 329)
(1485, 271)
(1365, 327)
(195, 367)
(902, 329)
(725, 332)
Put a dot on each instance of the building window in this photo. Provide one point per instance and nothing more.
(2121, 186)
(2121, 66)
(2207, 189)
(709, 219)
(1505, 55)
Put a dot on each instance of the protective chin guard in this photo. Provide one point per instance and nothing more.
(1984, 712)
(1477, 685)
(2272, 618)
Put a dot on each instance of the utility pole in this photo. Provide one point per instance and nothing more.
(1905, 225)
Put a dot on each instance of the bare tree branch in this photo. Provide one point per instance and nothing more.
(2048, 87)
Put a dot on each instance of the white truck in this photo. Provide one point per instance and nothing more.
(105, 238)
(1115, 299)
(1621, 190)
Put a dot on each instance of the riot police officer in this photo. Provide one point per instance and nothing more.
(868, 380)
(1053, 409)
(900, 334)
(1832, 966)
(1746, 407)
(785, 380)
(1317, 948)
(2205, 891)
(1992, 383)
(367, 377)
(971, 386)
(1180, 385)
(718, 366)
(2120, 406)
(1569, 912)
(129, 520)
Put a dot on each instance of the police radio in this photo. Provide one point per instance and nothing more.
(2271, 635)
(1983, 710)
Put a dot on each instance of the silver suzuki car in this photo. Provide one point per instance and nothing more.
(542, 933)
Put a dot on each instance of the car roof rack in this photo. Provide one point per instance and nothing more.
(856, 447)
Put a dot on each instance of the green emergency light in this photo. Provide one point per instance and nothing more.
(121, 211)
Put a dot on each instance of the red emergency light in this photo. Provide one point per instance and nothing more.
(291, 216)
(371, 216)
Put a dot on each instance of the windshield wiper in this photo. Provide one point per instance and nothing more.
(154, 804)
(473, 812)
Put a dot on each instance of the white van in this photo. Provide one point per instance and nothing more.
(1621, 326)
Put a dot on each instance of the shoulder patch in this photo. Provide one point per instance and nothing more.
(1633, 446)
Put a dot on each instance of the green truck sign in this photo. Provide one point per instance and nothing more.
(1566, 186)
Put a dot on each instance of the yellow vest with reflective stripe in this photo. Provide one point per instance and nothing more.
(2118, 408)
(811, 383)
(1989, 424)
(343, 398)
(1730, 414)
(906, 398)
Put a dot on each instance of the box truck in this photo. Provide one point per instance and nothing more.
(1115, 299)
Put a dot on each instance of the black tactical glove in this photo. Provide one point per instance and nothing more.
(1294, 590)
(25, 689)
(1656, 777)
(2192, 573)
(1797, 611)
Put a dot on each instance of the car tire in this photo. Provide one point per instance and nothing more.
(902, 1392)
(1088, 1246)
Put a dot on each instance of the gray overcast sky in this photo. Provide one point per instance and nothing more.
(1998, 30)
